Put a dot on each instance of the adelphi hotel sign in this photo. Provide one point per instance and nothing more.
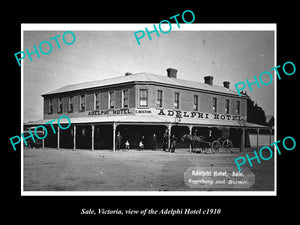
(164, 113)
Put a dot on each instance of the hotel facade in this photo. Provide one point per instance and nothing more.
(140, 105)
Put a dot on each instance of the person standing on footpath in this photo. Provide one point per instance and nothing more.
(165, 141)
(127, 145)
(141, 146)
(173, 143)
(154, 142)
(118, 141)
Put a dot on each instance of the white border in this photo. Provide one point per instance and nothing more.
(136, 27)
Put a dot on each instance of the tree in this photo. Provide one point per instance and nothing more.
(255, 114)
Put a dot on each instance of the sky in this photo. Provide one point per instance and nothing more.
(226, 55)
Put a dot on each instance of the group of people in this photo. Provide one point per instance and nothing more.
(141, 146)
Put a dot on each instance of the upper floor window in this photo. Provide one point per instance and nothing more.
(111, 100)
(214, 108)
(196, 106)
(143, 98)
(59, 105)
(176, 100)
(82, 103)
(96, 101)
(227, 106)
(125, 99)
(159, 99)
(50, 108)
(238, 105)
(70, 105)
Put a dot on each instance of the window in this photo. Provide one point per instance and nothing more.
(111, 99)
(159, 99)
(50, 109)
(59, 105)
(143, 98)
(227, 107)
(238, 107)
(176, 101)
(96, 101)
(82, 103)
(195, 108)
(70, 106)
(214, 105)
(125, 99)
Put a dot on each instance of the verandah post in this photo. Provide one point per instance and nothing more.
(58, 136)
(74, 138)
(190, 130)
(93, 135)
(114, 137)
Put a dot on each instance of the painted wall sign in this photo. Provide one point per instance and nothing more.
(143, 111)
(200, 115)
(165, 113)
(108, 112)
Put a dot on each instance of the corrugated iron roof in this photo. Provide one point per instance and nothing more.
(143, 77)
(154, 119)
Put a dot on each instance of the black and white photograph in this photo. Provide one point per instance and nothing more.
(106, 112)
(149, 111)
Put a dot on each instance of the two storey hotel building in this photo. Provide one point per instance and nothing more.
(140, 105)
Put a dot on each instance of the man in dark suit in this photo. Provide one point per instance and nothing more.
(118, 141)
(173, 143)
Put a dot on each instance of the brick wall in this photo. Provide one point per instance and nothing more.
(89, 101)
(186, 101)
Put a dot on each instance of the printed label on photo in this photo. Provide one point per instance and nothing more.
(218, 177)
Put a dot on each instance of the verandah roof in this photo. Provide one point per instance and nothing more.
(149, 119)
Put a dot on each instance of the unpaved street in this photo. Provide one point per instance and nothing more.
(82, 170)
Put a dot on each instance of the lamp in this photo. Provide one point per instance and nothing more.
(178, 118)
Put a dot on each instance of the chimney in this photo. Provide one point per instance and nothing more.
(226, 84)
(208, 80)
(128, 73)
(172, 72)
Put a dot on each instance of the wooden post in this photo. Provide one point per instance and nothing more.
(243, 140)
(58, 135)
(169, 136)
(190, 130)
(43, 141)
(114, 137)
(74, 138)
(93, 129)
(257, 131)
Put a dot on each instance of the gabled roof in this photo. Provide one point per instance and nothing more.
(144, 77)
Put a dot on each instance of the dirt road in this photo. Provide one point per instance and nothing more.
(82, 170)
